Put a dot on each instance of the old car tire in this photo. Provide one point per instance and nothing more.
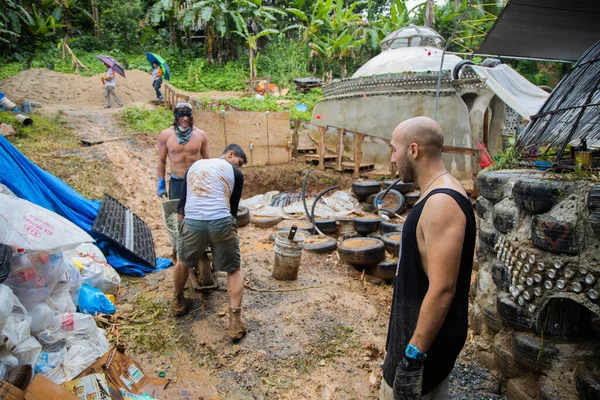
(593, 204)
(491, 318)
(391, 226)
(488, 237)
(505, 216)
(587, 383)
(458, 67)
(362, 251)
(326, 225)
(412, 198)
(493, 185)
(6, 253)
(243, 216)
(385, 270)
(562, 318)
(367, 224)
(483, 207)
(535, 196)
(402, 187)
(512, 315)
(319, 244)
(550, 391)
(302, 225)
(365, 188)
(399, 203)
(505, 361)
(500, 276)
(265, 222)
(533, 352)
(548, 233)
(392, 241)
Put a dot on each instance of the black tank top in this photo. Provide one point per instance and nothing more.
(410, 287)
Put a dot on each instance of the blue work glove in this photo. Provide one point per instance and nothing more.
(408, 379)
(162, 187)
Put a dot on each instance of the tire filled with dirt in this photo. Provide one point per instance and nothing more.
(391, 241)
(302, 225)
(488, 237)
(587, 382)
(362, 251)
(243, 217)
(392, 225)
(493, 185)
(512, 315)
(503, 355)
(393, 201)
(402, 187)
(265, 222)
(367, 224)
(593, 204)
(328, 226)
(385, 270)
(319, 244)
(363, 189)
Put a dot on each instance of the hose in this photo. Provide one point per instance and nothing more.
(390, 212)
(312, 211)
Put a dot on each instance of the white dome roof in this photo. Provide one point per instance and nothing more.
(407, 59)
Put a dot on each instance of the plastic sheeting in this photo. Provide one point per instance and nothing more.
(513, 89)
(30, 182)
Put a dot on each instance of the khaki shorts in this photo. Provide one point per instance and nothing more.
(220, 234)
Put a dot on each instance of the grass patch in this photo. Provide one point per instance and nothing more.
(50, 144)
(139, 119)
(10, 69)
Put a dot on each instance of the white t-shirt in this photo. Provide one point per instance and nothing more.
(110, 73)
(210, 184)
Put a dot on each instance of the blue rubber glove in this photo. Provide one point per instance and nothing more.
(162, 187)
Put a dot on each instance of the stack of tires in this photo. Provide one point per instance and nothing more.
(537, 285)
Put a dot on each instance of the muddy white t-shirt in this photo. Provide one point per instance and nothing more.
(212, 190)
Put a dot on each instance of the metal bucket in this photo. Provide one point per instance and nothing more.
(287, 256)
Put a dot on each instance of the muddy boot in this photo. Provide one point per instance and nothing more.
(180, 305)
(237, 329)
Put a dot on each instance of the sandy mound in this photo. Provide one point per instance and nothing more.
(51, 88)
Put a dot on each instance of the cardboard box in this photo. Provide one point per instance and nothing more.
(41, 388)
(92, 386)
(124, 372)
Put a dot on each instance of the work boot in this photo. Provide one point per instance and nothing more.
(237, 329)
(180, 304)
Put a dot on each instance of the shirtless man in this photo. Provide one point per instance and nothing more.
(184, 144)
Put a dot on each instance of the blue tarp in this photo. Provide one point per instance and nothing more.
(30, 182)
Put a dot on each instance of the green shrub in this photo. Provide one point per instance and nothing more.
(138, 119)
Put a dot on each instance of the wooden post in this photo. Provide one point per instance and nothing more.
(340, 150)
(321, 146)
(295, 138)
(357, 154)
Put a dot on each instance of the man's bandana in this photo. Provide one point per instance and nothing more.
(183, 136)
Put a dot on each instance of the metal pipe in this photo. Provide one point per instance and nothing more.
(24, 120)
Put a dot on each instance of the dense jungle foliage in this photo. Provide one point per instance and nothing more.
(219, 44)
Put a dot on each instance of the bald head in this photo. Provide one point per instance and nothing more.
(423, 131)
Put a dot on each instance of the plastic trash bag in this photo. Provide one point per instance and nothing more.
(60, 300)
(79, 357)
(34, 276)
(98, 275)
(72, 276)
(92, 251)
(68, 328)
(94, 301)
(6, 303)
(27, 351)
(48, 360)
(41, 316)
(7, 362)
(16, 330)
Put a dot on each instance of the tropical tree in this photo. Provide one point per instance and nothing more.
(13, 19)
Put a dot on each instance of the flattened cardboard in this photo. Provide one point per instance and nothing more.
(10, 392)
(92, 386)
(124, 372)
(42, 388)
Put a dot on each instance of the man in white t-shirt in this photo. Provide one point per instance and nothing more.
(109, 87)
(207, 211)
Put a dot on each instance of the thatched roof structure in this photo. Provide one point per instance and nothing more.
(572, 112)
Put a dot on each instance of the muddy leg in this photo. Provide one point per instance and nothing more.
(235, 288)
(203, 272)
(180, 277)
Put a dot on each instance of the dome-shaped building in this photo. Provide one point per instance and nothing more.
(401, 83)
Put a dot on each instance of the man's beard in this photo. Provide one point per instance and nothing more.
(406, 171)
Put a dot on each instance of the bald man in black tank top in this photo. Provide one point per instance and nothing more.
(428, 323)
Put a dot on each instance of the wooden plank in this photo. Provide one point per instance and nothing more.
(249, 130)
(211, 122)
(460, 150)
(295, 139)
(358, 138)
(317, 157)
(340, 150)
(279, 137)
(322, 150)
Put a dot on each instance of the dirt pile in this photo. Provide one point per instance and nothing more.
(53, 88)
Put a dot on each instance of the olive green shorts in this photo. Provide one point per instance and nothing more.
(220, 234)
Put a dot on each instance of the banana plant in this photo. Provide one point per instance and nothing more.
(12, 19)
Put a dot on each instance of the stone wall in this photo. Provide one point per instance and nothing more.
(535, 299)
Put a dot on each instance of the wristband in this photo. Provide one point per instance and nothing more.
(414, 353)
